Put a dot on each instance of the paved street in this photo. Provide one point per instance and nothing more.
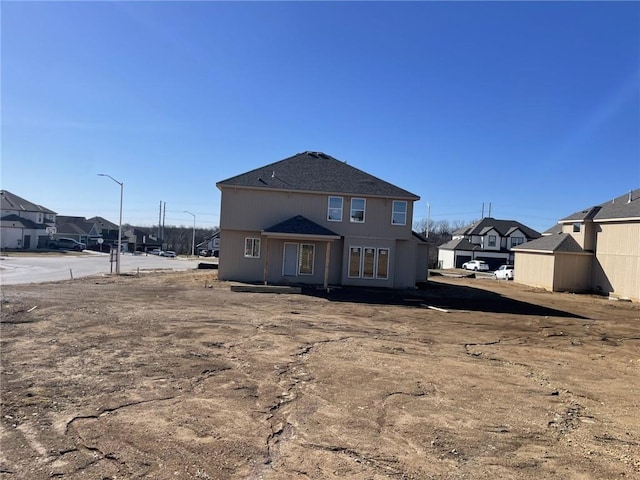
(48, 268)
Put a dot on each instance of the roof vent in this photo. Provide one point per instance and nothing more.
(630, 195)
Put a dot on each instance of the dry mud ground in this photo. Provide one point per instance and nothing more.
(172, 376)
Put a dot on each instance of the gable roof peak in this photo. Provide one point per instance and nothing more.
(316, 172)
(11, 201)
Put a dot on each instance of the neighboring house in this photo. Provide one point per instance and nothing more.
(489, 239)
(23, 224)
(137, 240)
(597, 249)
(210, 246)
(107, 230)
(78, 228)
(312, 219)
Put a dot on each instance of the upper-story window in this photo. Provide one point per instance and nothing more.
(334, 209)
(399, 214)
(515, 241)
(492, 241)
(357, 210)
(40, 218)
(576, 227)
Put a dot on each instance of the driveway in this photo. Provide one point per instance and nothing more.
(38, 268)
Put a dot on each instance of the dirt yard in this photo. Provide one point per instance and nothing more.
(173, 376)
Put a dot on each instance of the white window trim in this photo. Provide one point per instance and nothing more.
(364, 210)
(359, 262)
(253, 241)
(313, 257)
(393, 212)
(376, 262)
(329, 219)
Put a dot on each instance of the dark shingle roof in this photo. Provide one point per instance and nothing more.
(459, 244)
(419, 236)
(624, 206)
(10, 201)
(503, 227)
(316, 172)
(557, 228)
(561, 242)
(300, 225)
(103, 223)
(582, 215)
(73, 225)
(14, 220)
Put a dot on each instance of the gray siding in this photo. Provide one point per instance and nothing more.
(246, 209)
(232, 265)
(247, 212)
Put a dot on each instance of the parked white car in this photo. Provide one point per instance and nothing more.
(504, 272)
(476, 265)
(168, 253)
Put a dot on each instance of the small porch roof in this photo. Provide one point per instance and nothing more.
(300, 227)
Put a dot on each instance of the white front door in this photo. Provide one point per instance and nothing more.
(290, 260)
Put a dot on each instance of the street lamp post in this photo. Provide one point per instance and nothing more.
(120, 224)
(193, 241)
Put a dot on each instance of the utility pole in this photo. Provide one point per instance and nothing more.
(120, 224)
(159, 219)
(164, 213)
(428, 217)
(193, 241)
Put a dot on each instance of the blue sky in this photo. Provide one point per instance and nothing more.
(532, 106)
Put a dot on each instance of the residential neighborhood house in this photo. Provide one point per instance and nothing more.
(138, 240)
(312, 219)
(28, 226)
(210, 247)
(78, 228)
(23, 224)
(596, 250)
(489, 239)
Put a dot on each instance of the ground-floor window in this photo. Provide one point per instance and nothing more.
(355, 253)
(383, 264)
(369, 262)
(252, 247)
(305, 265)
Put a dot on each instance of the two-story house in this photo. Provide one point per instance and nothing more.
(312, 219)
(210, 247)
(23, 224)
(489, 239)
(596, 249)
(78, 228)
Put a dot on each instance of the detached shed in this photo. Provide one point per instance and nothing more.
(554, 262)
